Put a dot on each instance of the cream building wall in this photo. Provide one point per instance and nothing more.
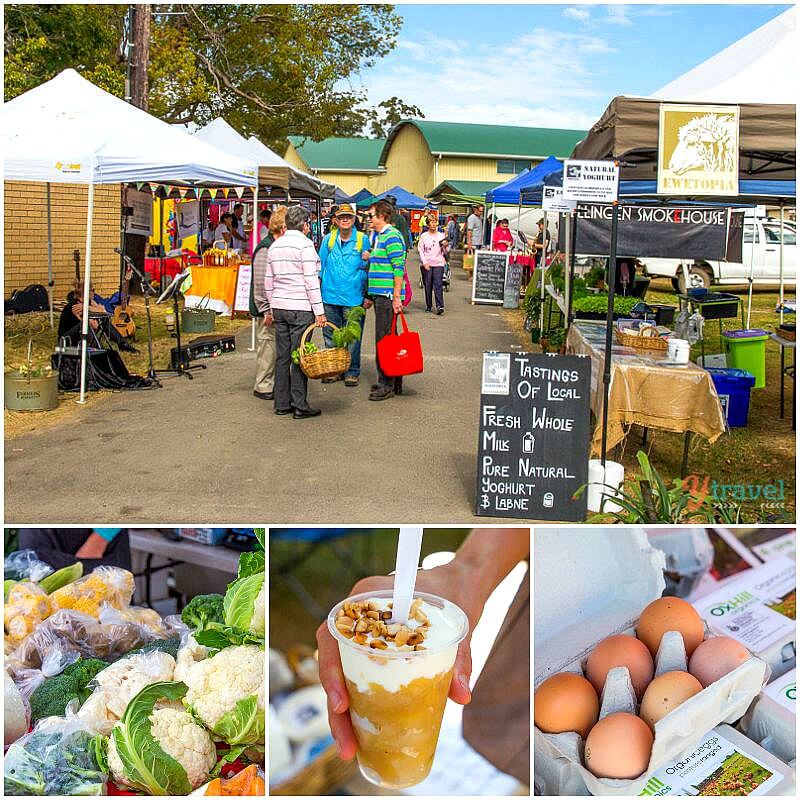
(349, 182)
(25, 231)
(409, 163)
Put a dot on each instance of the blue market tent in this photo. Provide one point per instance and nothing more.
(361, 194)
(508, 193)
(404, 198)
(340, 197)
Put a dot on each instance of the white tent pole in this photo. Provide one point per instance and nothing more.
(253, 246)
(50, 281)
(542, 271)
(87, 280)
(750, 289)
(780, 271)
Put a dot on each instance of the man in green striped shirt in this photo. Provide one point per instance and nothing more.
(385, 287)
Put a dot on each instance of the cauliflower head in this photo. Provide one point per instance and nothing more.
(180, 737)
(226, 692)
(119, 683)
(190, 653)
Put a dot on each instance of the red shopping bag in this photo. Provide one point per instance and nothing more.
(400, 353)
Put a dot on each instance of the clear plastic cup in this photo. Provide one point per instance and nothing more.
(397, 698)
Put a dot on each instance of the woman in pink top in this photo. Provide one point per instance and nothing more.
(502, 238)
(432, 248)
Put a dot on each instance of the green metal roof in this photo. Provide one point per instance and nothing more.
(494, 141)
(340, 153)
(465, 188)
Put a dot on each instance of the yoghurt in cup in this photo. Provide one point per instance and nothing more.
(398, 678)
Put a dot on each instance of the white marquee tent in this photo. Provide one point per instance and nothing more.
(68, 130)
(759, 68)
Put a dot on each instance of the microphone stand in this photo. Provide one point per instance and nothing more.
(172, 292)
(147, 291)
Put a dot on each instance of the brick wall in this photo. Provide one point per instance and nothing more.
(25, 226)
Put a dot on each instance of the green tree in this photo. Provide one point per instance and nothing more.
(270, 70)
(387, 114)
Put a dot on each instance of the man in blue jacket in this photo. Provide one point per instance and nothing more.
(344, 254)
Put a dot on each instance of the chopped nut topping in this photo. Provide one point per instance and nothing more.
(379, 644)
(366, 624)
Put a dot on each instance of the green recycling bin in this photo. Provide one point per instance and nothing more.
(747, 350)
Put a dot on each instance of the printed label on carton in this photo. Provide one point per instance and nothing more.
(782, 690)
(758, 608)
(715, 768)
(780, 546)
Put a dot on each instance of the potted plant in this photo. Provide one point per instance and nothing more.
(31, 387)
(556, 341)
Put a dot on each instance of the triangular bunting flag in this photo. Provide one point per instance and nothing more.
(182, 192)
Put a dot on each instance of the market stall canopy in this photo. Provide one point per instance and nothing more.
(508, 193)
(461, 192)
(300, 183)
(759, 68)
(67, 130)
(405, 199)
(628, 131)
(340, 197)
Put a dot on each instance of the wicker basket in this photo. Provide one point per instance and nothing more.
(326, 773)
(787, 334)
(329, 363)
(646, 339)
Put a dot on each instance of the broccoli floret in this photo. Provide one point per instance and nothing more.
(202, 610)
(170, 646)
(50, 698)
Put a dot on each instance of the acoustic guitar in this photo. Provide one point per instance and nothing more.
(122, 319)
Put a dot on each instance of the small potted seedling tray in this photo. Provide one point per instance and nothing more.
(591, 584)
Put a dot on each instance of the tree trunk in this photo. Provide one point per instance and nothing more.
(140, 55)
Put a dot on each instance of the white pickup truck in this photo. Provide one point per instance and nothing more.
(761, 243)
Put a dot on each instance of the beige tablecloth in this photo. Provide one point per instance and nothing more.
(645, 390)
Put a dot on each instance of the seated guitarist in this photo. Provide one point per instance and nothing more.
(70, 321)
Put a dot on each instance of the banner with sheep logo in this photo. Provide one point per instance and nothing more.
(698, 150)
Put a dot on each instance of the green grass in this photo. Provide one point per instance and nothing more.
(764, 452)
(328, 575)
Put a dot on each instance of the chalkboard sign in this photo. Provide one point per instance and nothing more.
(533, 447)
(512, 285)
(489, 276)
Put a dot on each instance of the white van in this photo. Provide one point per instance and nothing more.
(761, 243)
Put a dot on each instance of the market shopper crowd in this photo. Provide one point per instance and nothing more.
(296, 284)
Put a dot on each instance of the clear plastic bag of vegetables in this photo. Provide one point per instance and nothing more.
(25, 565)
(83, 633)
(59, 757)
(25, 608)
(103, 585)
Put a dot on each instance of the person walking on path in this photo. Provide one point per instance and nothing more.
(399, 221)
(432, 248)
(453, 234)
(475, 229)
(292, 287)
(385, 288)
(261, 312)
(344, 256)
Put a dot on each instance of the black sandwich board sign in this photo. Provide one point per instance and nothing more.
(489, 276)
(512, 285)
(533, 447)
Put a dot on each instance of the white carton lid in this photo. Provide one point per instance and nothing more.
(590, 584)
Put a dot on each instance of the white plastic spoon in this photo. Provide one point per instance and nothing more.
(409, 543)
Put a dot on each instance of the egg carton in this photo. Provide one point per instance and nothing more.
(689, 555)
(771, 718)
(615, 560)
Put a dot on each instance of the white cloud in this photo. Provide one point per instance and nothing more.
(618, 15)
(580, 14)
(562, 85)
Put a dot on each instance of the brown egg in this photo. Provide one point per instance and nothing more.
(716, 657)
(565, 702)
(618, 746)
(665, 693)
(620, 651)
(670, 614)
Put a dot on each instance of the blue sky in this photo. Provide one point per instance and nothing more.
(548, 65)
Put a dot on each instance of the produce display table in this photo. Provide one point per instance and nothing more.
(183, 552)
(787, 370)
(216, 284)
(646, 391)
